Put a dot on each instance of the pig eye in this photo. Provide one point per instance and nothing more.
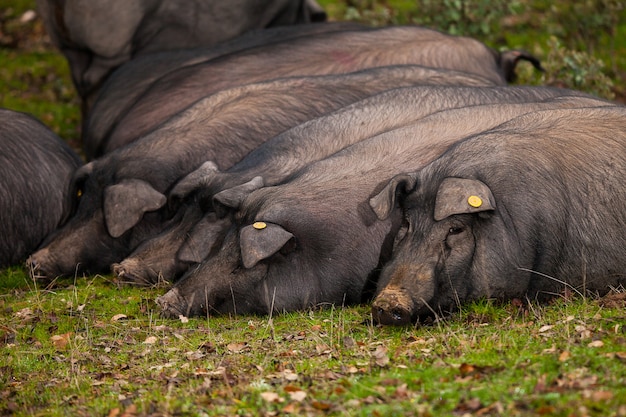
(455, 230)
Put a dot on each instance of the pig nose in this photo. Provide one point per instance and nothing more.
(32, 264)
(391, 316)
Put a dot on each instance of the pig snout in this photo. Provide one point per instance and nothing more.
(393, 307)
(173, 304)
(130, 271)
(39, 265)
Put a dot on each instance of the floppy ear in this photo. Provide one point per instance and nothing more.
(261, 240)
(194, 180)
(126, 202)
(232, 198)
(461, 195)
(202, 238)
(385, 201)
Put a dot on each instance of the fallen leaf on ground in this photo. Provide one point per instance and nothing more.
(298, 396)
(237, 347)
(271, 397)
(118, 317)
(380, 356)
(150, 340)
(60, 341)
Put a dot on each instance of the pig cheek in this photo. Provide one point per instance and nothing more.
(456, 263)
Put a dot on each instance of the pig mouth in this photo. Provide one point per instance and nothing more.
(393, 307)
(173, 305)
(129, 272)
(41, 267)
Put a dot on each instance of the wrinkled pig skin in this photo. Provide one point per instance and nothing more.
(126, 85)
(529, 209)
(317, 239)
(301, 145)
(97, 36)
(284, 154)
(133, 180)
(35, 168)
(324, 53)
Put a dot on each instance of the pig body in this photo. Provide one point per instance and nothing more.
(97, 36)
(35, 168)
(324, 53)
(528, 209)
(126, 84)
(189, 241)
(122, 192)
(313, 240)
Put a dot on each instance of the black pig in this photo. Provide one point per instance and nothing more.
(123, 191)
(324, 53)
(528, 209)
(97, 36)
(313, 240)
(36, 167)
(124, 87)
(185, 243)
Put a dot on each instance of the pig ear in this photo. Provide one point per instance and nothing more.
(126, 202)
(461, 195)
(261, 240)
(202, 238)
(232, 198)
(194, 180)
(385, 201)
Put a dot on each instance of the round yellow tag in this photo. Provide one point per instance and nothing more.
(259, 225)
(474, 201)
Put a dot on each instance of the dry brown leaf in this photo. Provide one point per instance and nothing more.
(564, 356)
(60, 341)
(380, 356)
(150, 340)
(114, 412)
(290, 375)
(599, 396)
(26, 315)
(545, 328)
(119, 317)
(320, 405)
(290, 408)
(130, 411)
(271, 397)
(621, 356)
(237, 347)
(194, 355)
(322, 349)
(596, 343)
(298, 396)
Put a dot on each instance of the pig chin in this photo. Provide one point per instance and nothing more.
(173, 304)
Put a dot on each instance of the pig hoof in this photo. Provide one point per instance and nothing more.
(391, 315)
(172, 304)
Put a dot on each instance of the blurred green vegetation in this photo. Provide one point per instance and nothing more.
(581, 44)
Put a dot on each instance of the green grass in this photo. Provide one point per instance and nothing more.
(65, 350)
(563, 359)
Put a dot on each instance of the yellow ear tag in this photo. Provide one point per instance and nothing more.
(474, 201)
(259, 225)
(79, 193)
